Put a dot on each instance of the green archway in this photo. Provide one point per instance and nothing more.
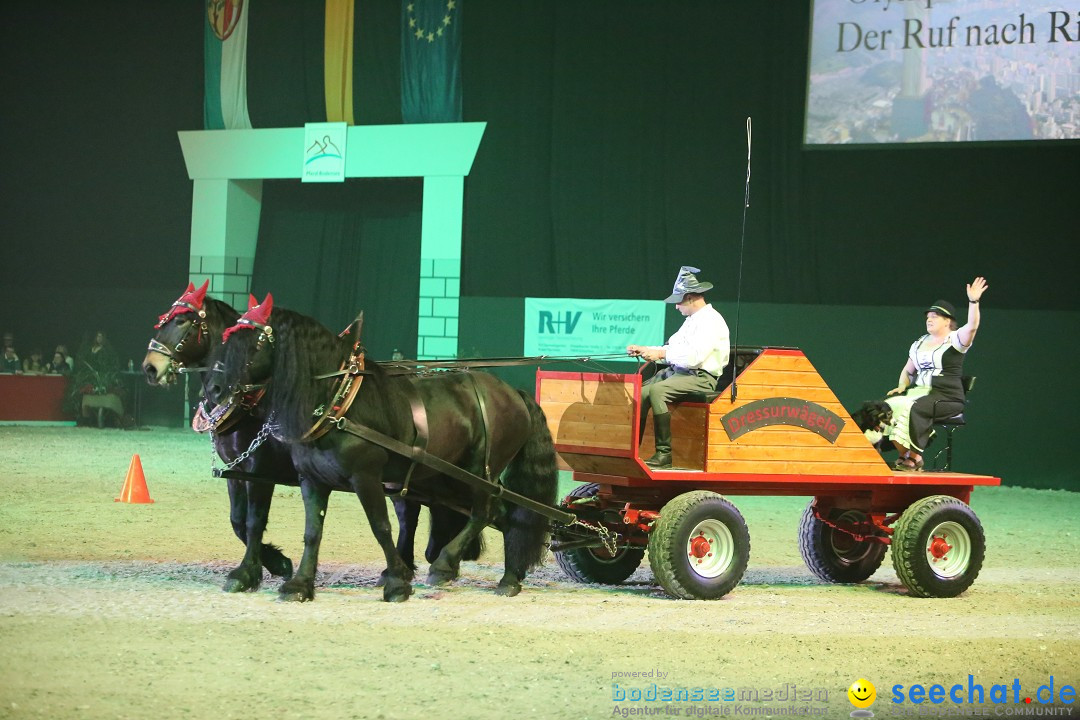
(228, 167)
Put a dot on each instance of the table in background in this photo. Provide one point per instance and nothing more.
(33, 398)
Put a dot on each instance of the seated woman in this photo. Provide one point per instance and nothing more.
(935, 366)
(95, 383)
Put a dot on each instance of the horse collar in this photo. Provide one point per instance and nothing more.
(352, 376)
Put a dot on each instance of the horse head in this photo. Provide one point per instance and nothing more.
(245, 360)
(182, 337)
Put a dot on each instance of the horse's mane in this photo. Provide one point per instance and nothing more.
(219, 315)
(303, 348)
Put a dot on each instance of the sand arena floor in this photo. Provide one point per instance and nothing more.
(110, 610)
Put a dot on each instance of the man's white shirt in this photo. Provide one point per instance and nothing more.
(703, 342)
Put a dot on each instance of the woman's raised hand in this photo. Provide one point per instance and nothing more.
(976, 288)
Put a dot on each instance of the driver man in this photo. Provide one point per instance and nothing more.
(695, 356)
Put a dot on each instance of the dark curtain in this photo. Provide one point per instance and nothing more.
(624, 128)
(616, 152)
(285, 63)
(329, 250)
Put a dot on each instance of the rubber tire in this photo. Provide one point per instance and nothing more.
(817, 544)
(910, 541)
(669, 538)
(595, 565)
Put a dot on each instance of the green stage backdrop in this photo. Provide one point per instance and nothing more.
(615, 152)
(1014, 431)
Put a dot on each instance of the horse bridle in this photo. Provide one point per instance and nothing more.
(175, 365)
(245, 394)
(241, 396)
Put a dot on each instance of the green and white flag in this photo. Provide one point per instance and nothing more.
(225, 65)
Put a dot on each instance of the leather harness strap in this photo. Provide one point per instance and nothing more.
(484, 418)
(420, 422)
(352, 372)
(425, 458)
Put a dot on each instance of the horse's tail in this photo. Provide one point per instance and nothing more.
(533, 473)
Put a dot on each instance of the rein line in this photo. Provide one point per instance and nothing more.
(419, 367)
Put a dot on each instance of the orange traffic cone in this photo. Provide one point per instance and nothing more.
(134, 490)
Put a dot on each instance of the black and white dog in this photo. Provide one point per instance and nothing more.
(874, 417)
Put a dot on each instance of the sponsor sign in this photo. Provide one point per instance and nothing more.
(324, 152)
(570, 326)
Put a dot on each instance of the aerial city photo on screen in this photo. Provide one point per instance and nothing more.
(923, 71)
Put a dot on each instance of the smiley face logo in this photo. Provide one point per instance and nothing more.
(862, 693)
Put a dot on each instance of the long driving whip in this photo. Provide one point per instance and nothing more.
(738, 288)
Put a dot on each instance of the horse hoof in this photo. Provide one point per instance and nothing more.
(236, 585)
(298, 596)
(296, 592)
(440, 577)
(240, 580)
(396, 591)
(508, 590)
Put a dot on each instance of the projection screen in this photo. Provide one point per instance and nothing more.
(926, 71)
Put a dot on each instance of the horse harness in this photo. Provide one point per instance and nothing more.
(352, 374)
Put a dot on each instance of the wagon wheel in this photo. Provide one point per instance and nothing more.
(833, 555)
(699, 547)
(938, 547)
(597, 565)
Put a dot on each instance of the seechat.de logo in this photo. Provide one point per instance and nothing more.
(862, 695)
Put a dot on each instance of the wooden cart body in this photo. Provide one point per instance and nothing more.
(762, 443)
(779, 431)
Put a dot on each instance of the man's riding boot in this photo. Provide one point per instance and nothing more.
(662, 425)
(642, 419)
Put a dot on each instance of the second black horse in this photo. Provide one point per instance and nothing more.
(473, 421)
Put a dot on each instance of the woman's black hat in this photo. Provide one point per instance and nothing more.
(943, 307)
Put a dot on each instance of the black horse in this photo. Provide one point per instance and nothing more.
(186, 333)
(474, 421)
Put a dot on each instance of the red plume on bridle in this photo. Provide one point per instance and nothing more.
(190, 301)
(256, 317)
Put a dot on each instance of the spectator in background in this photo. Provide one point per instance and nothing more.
(34, 363)
(62, 349)
(95, 382)
(59, 364)
(9, 359)
(10, 362)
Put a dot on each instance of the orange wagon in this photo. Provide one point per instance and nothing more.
(785, 433)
